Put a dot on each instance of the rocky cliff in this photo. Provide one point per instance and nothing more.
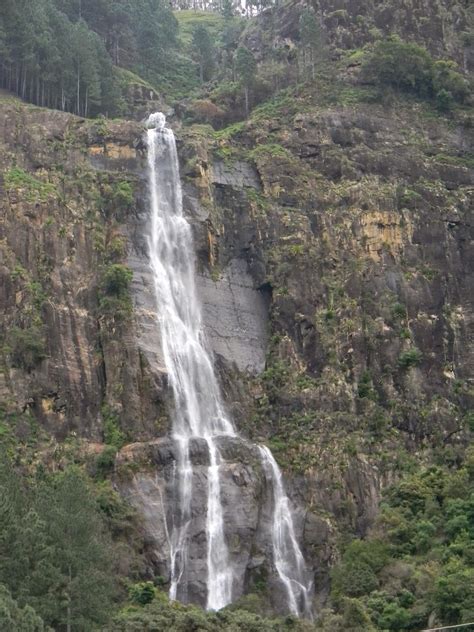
(335, 254)
(334, 243)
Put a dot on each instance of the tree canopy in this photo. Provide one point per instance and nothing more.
(60, 53)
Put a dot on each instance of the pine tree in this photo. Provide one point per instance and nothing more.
(53, 549)
(246, 67)
(80, 595)
(312, 40)
(204, 50)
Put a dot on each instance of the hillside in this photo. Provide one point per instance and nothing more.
(327, 167)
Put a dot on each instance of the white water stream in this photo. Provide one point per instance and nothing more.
(199, 412)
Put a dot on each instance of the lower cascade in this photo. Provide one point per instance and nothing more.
(199, 414)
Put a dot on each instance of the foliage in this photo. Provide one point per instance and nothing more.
(365, 386)
(16, 619)
(54, 553)
(246, 66)
(409, 358)
(115, 299)
(35, 190)
(116, 279)
(123, 194)
(420, 559)
(357, 573)
(313, 41)
(113, 436)
(142, 593)
(409, 67)
(204, 50)
(160, 614)
(60, 53)
(27, 347)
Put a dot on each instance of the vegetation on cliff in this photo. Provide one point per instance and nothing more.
(358, 229)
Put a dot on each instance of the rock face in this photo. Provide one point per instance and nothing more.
(334, 250)
(236, 317)
(247, 510)
(350, 24)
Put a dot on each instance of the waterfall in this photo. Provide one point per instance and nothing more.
(199, 411)
(287, 555)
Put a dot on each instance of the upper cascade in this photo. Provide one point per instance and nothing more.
(199, 411)
(157, 120)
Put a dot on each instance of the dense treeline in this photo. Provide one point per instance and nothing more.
(60, 53)
(246, 8)
(56, 567)
(417, 568)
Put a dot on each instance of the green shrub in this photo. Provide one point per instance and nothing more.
(123, 194)
(357, 573)
(27, 347)
(142, 593)
(444, 101)
(116, 299)
(446, 79)
(410, 358)
(364, 388)
(106, 461)
(19, 179)
(410, 68)
(402, 65)
(112, 434)
(117, 279)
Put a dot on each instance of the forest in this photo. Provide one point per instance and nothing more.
(60, 53)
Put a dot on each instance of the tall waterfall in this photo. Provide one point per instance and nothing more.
(199, 412)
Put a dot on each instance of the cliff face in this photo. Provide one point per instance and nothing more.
(335, 259)
(442, 26)
(357, 223)
(65, 354)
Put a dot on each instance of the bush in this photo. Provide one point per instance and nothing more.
(17, 619)
(142, 593)
(112, 433)
(444, 101)
(400, 65)
(410, 358)
(34, 189)
(357, 574)
(116, 280)
(205, 111)
(106, 461)
(123, 194)
(116, 284)
(27, 347)
(410, 68)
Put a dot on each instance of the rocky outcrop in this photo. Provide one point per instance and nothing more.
(358, 225)
(146, 476)
(441, 26)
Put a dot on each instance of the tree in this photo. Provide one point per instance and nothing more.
(54, 558)
(312, 39)
(227, 9)
(401, 65)
(80, 593)
(246, 67)
(59, 53)
(16, 619)
(204, 50)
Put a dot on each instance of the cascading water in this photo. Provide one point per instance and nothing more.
(199, 412)
(287, 555)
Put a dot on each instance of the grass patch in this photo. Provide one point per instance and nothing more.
(17, 179)
(189, 20)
